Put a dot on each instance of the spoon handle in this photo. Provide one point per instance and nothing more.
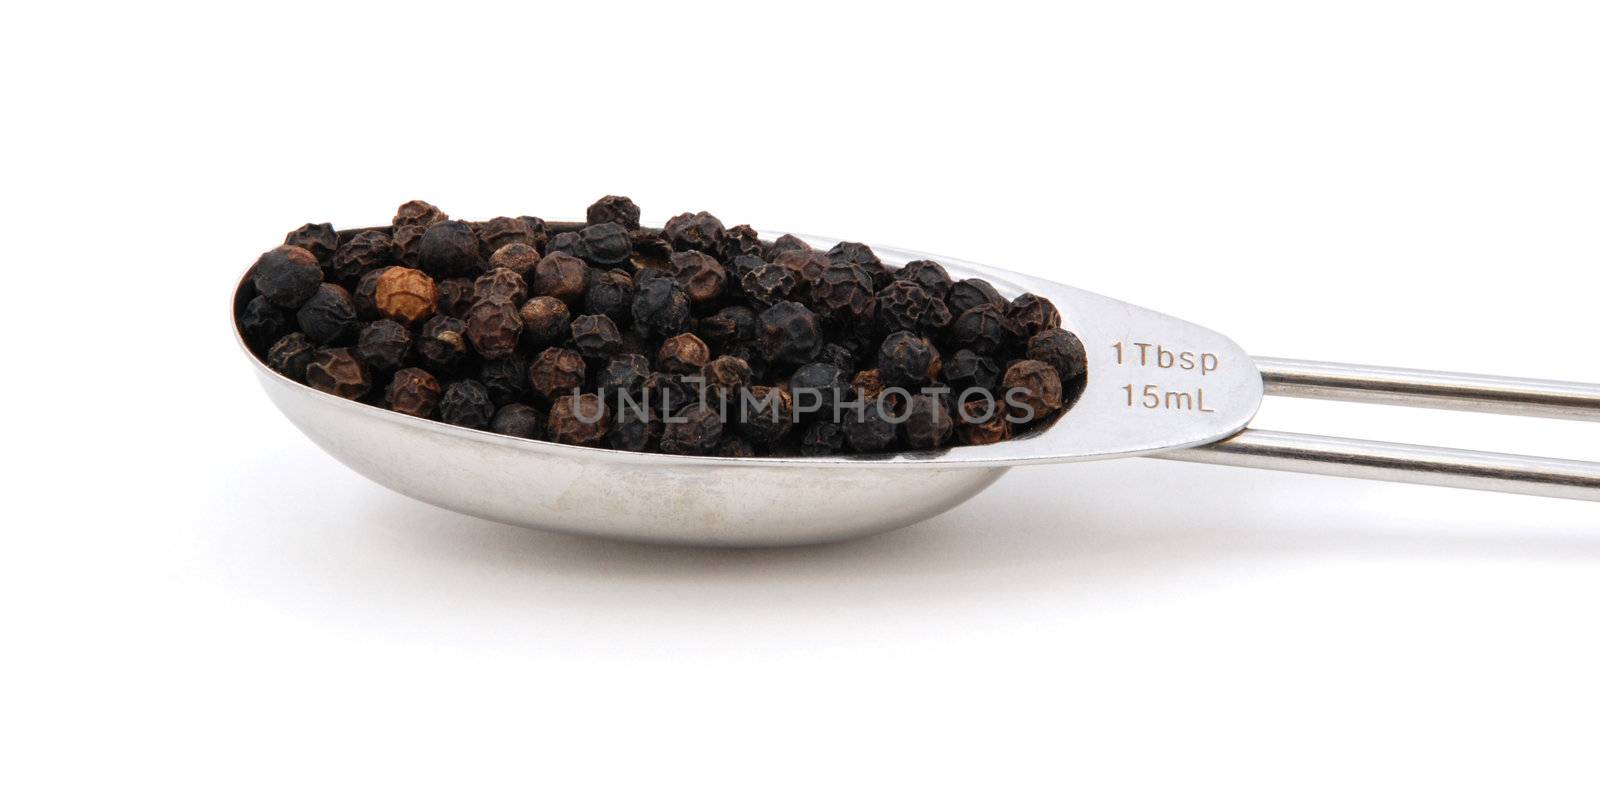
(1434, 466)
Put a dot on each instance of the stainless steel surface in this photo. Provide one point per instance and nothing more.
(1456, 391)
(1433, 466)
(1205, 388)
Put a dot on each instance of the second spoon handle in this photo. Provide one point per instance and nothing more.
(1455, 391)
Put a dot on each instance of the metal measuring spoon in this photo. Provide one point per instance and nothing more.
(1156, 386)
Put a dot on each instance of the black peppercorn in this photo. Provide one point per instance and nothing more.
(972, 293)
(843, 293)
(383, 345)
(456, 296)
(937, 317)
(839, 356)
(695, 431)
(336, 370)
(320, 239)
(725, 376)
(518, 257)
(683, 354)
(565, 243)
(822, 438)
(930, 275)
(735, 447)
(788, 332)
(981, 421)
(650, 249)
(966, 369)
(1060, 349)
(418, 213)
(741, 240)
(605, 244)
(562, 276)
(702, 278)
(262, 322)
(538, 231)
(808, 267)
(901, 306)
(329, 316)
(632, 432)
(766, 414)
(516, 419)
(623, 376)
(729, 326)
(363, 253)
(442, 342)
(406, 239)
(493, 327)
(614, 208)
(611, 294)
(768, 284)
(927, 424)
(785, 244)
(665, 393)
(596, 336)
(405, 295)
(290, 355)
(905, 359)
(413, 391)
(501, 232)
(544, 321)
(700, 231)
(868, 429)
(818, 387)
(1032, 385)
(1029, 314)
(366, 294)
(660, 307)
(863, 257)
(981, 329)
(449, 249)
(578, 419)
(505, 378)
(500, 284)
(466, 403)
(556, 372)
(287, 276)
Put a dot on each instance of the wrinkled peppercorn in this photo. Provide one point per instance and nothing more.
(329, 316)
(336, 370)
(741, 240)
(596, 336)
(413, 391)
(930, 275)
(418, 213)
(785, 244)
(519, 257)
(500, 284)
(699, 231)
(565, 243)
(839, 356)
(972, 293)
(966, 369)
(578, 419)
(702, 278)
(545, 321)
(696, 431)
(290, 355)
(611, 294)
(901, 306)
(287, 276)
(808, 267)
(650, 249)
(556, 372)
(981, 329)
(632, 432)
(729, 326)
(262, 322)
(1033, 385)
(562, 276)
(406, 239)
(660, 307)
(868, 385)
(456, 296)
(505, 378)
(767, 414)
(442, 342)
(822, 438)
(614, 208)
(493, 327)
(869, 429)
(863, 257)
(624, 375)
(927, 424)
(981, 421)
(383, 345)
(905, 359)
(319, 238)
(769, 284)
(502, 232)
(683, 354)
(517, 419)
(366, 251)
(449, 249)
(366, 294)
(466, 403)
(843, 293)
(605, 244)
(1061, 350)
(735, 447)
(818, 388)
(666, 392)
(1029, 314)
(405, 295)
(788, 332)
(726, 375)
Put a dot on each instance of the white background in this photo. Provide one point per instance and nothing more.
(197, 602)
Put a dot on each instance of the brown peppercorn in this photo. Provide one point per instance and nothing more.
(699, 231)
(735, 447)
(729, 326)
(1032, 385)
(683, 354)
(337, 371)
(544, 321)
(500, 232)
(868, 384)
(596, 336)
(413, 391)
(562, 276)
(406, 238)
(501, 284)
(364, 252)
(517, 257)
(741, 240)
(694, 432)
(808, 266)
(981, 421)
(456, 296)
(556, 372)
(786, 243)
(493, 327)
(1029, 314)
(702, 278)
(725, 375)
(650, 249)
(320, 239)
(406, 295)
(578, 419)
(614, 208)
(419, 213)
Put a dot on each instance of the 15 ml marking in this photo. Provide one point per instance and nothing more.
(1156, 398)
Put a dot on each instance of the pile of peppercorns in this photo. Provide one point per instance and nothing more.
(533, 329)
